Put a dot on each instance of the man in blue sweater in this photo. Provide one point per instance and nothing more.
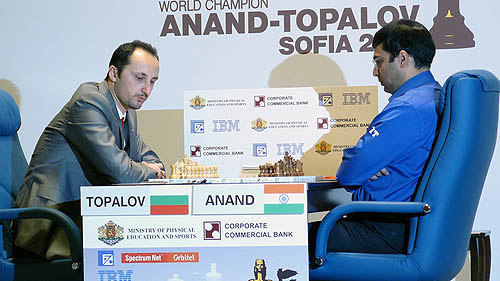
(388, 160)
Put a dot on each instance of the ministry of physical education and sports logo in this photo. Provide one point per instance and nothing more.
(197, 102)
(323, 148)
(259, 124)
(110, 233)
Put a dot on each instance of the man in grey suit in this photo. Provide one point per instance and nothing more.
(93, 140)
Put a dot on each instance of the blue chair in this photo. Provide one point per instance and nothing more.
(444, 206)
(13, 166)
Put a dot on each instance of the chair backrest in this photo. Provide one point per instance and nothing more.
(13, 164)
(455, 174)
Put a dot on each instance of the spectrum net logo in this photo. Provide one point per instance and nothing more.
(105, 258)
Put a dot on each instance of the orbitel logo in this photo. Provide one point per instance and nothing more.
(449, 30)
(197, 127)
(195, 150)
(325, 99)
(259, 101)
(105, 258)
(260, 150)
(110, 233)
(211, 230)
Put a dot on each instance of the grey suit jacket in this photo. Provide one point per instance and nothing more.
(82, 146)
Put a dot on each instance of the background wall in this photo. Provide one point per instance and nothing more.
(49, 47)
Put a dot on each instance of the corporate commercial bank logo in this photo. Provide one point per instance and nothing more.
(197, 103)
(195, 150)
(449, 30)
(259, 101)
(212, 230)
(110, 233)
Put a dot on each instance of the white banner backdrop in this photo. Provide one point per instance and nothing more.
(49, 47)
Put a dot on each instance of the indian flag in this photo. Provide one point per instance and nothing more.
(284, 198)
(171, 204)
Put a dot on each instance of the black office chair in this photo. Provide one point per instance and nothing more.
(13, 166)
(445, 201)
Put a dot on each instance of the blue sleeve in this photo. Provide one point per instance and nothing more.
(389, 135)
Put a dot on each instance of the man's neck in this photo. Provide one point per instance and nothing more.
(119, 105)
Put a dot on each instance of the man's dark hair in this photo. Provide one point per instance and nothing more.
(121, 56)
(407, 35)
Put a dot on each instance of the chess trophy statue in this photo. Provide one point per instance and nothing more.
(449, 30)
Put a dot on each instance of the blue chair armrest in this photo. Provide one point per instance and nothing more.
(67, 224)
(413, 208)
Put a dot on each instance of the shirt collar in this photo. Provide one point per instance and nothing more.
(414, 82)
(120, 114)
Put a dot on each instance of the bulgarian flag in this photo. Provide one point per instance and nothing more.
(284, 198)
(169, 204)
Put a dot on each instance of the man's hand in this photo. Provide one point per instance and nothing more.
(158, 167)
(380, 173)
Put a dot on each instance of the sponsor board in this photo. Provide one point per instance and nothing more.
(275, 121)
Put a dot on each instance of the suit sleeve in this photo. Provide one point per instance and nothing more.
(390, 134)
(89, 133)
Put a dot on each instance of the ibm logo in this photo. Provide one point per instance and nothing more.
(115, 275)
(356, 98)
(197, 126)
(291, 148)
(226, 126)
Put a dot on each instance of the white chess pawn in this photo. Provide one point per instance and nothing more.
(213, 275)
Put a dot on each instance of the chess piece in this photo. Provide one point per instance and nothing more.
(213, 275)
(449, 30)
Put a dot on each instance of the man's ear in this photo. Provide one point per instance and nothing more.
(112, 73)
(404, 58)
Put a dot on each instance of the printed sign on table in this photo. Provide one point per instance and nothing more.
(229, 232)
